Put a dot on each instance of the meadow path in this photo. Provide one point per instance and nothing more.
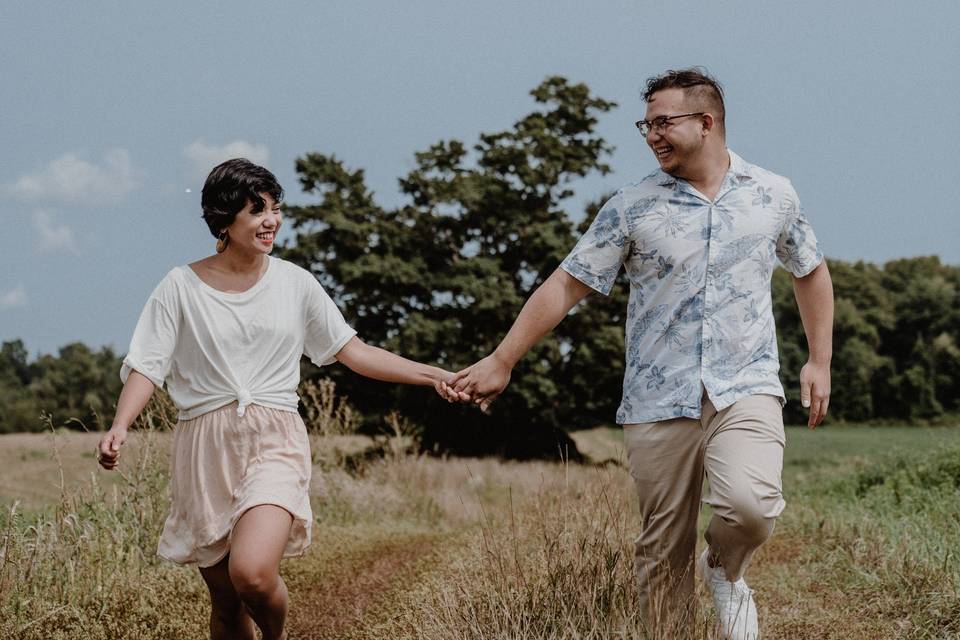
(341, 591)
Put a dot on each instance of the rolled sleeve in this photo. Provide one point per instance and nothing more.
(153, 343)
(598, 255)
(797, 246)
(326, 331)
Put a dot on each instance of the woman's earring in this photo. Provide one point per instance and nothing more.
(222, 241)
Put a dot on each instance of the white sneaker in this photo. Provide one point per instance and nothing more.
(736, 611)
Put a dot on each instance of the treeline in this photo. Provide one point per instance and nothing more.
(896, 358)
(441, 278)
(896, 353)
(73, 388)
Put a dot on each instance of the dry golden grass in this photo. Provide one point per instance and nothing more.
(407, 546)
(601, 445)
(31, 473)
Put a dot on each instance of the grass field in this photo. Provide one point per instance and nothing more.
(406, 546)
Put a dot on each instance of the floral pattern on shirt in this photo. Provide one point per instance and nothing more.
(700, 309)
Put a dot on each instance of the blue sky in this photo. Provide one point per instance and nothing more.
(112, 111)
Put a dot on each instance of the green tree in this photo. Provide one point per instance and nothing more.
(442, 278)
(895, 336)
(18, 409)
(925, 298)
(79, 383)
(946, 363)
(856, 362)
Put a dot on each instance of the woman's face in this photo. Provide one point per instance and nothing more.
(255, 232)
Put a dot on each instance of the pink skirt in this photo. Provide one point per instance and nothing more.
(222, 465)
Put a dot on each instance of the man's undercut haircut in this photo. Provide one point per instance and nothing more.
(230, 186)
(702, 92)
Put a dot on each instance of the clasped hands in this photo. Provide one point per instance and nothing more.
(479, 384)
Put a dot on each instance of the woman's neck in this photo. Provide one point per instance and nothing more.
(241, 263)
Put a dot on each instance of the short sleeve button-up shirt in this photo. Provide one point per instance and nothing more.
(700, 308)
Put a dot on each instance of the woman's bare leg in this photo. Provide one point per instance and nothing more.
(256, 548)
(228, 616)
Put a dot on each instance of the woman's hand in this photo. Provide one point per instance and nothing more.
(133, 398)
(108, 452)
(444, 387)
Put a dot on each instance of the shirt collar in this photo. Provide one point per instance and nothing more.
(739, 169)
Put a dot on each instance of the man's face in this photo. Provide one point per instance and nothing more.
(677, 145)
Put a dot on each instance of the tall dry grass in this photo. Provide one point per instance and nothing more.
(86, 567)
(326, 413)
(504, 550)
(866, 550)
(549, 556)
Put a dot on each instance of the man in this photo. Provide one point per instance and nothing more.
(699, 239)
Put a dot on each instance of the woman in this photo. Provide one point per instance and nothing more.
(226, 334)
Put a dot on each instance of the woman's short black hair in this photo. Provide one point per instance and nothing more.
(228, 189)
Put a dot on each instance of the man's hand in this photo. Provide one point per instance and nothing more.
(108, 451)
(815, 391)
(483, 381)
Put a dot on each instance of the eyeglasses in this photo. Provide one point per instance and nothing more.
(660, 124)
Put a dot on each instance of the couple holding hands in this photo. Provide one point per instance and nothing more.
(699, 239)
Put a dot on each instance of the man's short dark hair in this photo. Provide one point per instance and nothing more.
(700, 89)
(230, 186)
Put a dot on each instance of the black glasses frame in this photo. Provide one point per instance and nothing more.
(659, 124)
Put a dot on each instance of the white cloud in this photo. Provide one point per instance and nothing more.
(14, 298)
(203, 157)
(53, 236)
(72, 180)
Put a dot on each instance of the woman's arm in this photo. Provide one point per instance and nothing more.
(133, 398)
(380, 364)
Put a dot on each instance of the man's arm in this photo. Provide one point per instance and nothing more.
(548, 305)
(814, 293)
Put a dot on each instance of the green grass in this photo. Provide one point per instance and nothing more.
(835, 447)
(873, 523)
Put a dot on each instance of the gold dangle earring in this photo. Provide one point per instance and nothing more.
(222, 241)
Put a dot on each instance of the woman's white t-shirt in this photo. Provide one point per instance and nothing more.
(212, 348)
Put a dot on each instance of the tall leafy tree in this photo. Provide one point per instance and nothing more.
(442, 278)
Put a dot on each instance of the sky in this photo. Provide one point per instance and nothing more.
(112, 113)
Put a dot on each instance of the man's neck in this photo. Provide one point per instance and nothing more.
(708, 175)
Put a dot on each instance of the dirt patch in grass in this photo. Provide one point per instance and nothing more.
(341, 590)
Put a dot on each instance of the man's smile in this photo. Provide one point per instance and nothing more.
(662, 151)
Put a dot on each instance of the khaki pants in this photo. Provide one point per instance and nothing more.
(740, 449)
